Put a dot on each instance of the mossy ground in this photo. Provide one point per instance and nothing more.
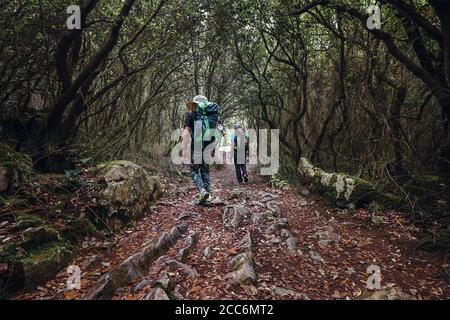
(42, 263)
(51, 215)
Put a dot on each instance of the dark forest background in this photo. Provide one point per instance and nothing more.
(371, 103)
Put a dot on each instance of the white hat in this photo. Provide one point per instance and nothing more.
(200, 99)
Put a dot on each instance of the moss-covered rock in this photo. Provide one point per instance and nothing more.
(77, 229)
(44, 262)
(344, 190)
(28, 264)
(36, 237)
(126, 191)
(41, 253)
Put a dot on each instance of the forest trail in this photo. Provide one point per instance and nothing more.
(300, 249)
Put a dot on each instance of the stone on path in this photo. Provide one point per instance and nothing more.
(141, 285)
(156, 294)
(326, 238)
(292, 244)
(242, 271)
(239, 194)
(185, 252)
(267, 196)
(136, 265)
(388, 293)
(377, 220)
(207, 253)
(316, 257)
(190, 271)
(283, 292)
(232, 216)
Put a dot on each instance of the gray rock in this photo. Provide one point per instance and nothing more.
(275, 209)
(326, 238)
(136, 265)
(104, 291)
(275, 240)
(190, 271)
(232, 216)
(350, 270)
(292, 244)
(282, 223)
(40, 235)
(267, 196)
(246, 244)
(377, 220)
(325, 243)
(391, 293)
(164, 282)
(239, 194)
(285, 234)
(316, 257)
(157, 294)
(141, 285)
(184, 215)
(185, 252)
(90, 261)
(257, 217)
(177, 296)
(271, 229)
(283, 292)
(218, 202)
(257, 204)
(126, 191)
(207, 253)
(242, 271)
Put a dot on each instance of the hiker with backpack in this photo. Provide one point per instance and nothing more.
(199, 128)
(239, 139)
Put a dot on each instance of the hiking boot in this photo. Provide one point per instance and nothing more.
(203, 196)
(245, 179)
(209, 200)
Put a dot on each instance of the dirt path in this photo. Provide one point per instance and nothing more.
(300, 249)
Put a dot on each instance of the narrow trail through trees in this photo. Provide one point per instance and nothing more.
(253, 243)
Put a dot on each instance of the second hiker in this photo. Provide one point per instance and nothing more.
(241, 149)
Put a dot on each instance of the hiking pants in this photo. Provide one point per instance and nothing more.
(200, 177)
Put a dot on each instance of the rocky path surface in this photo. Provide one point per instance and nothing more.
(253, 243)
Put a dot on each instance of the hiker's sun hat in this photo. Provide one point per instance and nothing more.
(237, 126)
(192, 105)
(200, 99)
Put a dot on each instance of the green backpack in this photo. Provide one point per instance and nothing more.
(208, 117)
